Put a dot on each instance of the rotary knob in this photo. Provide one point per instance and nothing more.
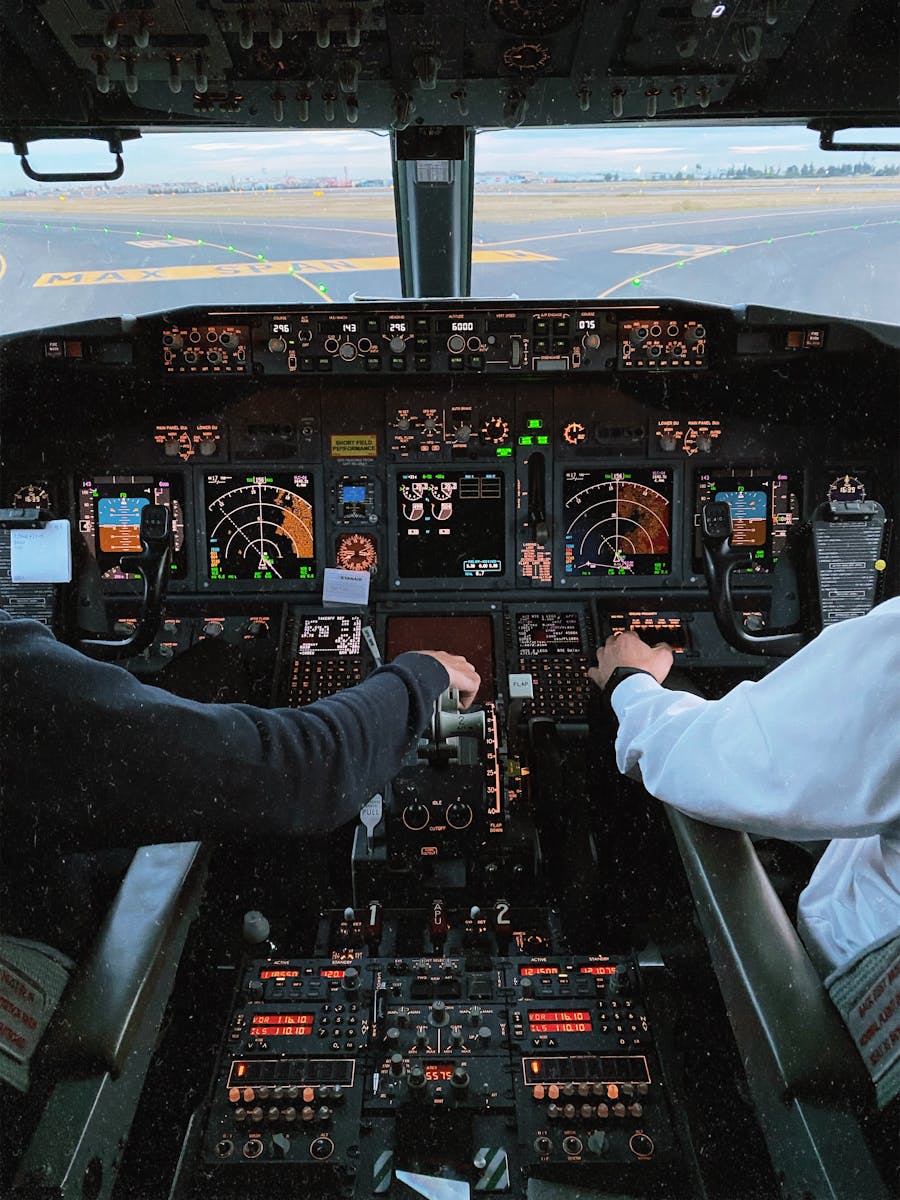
(397, 344)
(277, 345)
(347, 351)
(415, 816)
(456, 343)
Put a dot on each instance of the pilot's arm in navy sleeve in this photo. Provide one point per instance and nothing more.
(106, 760)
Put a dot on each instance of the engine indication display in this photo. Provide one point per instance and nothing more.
(617, 522)
(450, 525)
(764, 506)
(260, 527)
(109, 519)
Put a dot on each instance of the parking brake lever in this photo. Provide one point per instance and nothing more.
(537, 503)
(152, 565)
(719, 560)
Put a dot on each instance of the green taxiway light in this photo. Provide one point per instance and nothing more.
(105, 230)
(323, 289)
(769, 241)
(635, 282)
(168, 237)
(137, 233)
(74, 228)
(200, 242)
(261, 258)
(681, 264)
(231, 250)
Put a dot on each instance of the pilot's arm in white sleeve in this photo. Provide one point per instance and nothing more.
(811, 751)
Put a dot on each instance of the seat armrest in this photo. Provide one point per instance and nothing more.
(144, 927)
(777, 1004)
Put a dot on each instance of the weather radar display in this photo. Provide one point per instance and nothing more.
(260, 527)
(617, 522)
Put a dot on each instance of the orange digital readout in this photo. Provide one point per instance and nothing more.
(538, 969)
(331, 973)
(438, 1070)
(561, 1021)
(279, 974)
(596, 969)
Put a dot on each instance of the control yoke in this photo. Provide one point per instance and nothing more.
(719, 560)
(152, 565)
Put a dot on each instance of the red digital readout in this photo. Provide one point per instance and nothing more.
(281, 1031)
(281, 1025)
(331, 973)
(593, 969)
(574, 1020)
(538, 969)
(439, 1070)
(279, 974)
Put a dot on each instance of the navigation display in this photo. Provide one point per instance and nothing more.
(109, 519)
(617, 522)
(260, 527)
(763, 508)
(450, 525)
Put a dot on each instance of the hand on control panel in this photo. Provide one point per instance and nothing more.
(463, 675)
(627, 650)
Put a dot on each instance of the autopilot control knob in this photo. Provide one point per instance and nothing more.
(350, 980)
(392, 1037)
(397, 344)
(277, 345)
(456, 343)
(438, 1012)
(416, 1079)
(396, 1061)
(459, 1080)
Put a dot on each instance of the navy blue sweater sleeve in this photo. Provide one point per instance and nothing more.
(93, 753)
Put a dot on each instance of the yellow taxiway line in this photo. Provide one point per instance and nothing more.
(298, 269)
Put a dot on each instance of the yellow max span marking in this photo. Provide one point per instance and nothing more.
(319, 266)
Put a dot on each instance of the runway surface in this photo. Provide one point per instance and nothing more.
(837, 259)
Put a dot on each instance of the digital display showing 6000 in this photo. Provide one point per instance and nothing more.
(450, 525)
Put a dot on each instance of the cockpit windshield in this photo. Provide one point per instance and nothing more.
(722, 214)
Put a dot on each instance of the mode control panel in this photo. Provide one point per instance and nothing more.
(472, 338)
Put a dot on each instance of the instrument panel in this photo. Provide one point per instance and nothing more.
(506, 452)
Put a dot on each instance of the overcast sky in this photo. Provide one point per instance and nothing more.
(210, 156)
